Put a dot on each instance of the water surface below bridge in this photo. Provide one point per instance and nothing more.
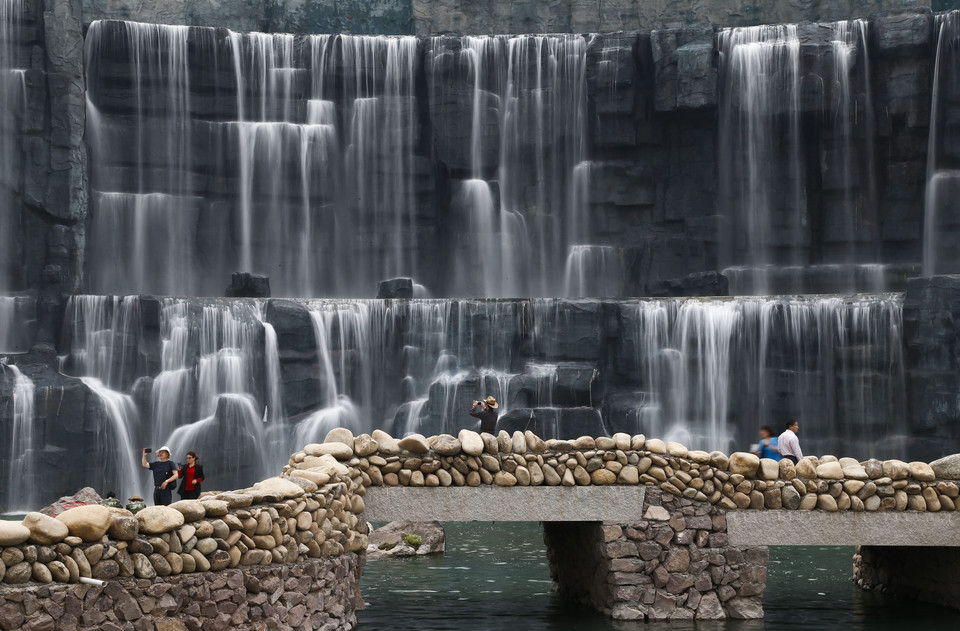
(495, 576)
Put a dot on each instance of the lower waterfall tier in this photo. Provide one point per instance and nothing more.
(244, 381)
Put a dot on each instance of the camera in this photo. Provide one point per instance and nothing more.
(147, 450)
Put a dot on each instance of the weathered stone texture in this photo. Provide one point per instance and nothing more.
(673, 567)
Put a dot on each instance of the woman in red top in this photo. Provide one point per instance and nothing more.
(191, 475)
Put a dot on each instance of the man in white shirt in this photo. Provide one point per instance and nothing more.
(789, 443)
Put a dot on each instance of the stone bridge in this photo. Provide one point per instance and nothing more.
(642, 529)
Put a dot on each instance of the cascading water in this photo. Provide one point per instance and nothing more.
(12, 106)
(102, 333)
(521, 202)
(760, 166)
(710, 371)
(777, 238)
(940, 225)
(24, 445)
(271, 153)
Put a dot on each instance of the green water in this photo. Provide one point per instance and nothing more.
(495, 576)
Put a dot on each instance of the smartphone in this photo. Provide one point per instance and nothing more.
(147, 450)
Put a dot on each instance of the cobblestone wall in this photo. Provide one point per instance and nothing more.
(673, 565)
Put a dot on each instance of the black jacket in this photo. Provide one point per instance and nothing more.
(181, 488)
(487, 416)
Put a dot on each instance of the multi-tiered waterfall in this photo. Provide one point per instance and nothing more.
(501, 174)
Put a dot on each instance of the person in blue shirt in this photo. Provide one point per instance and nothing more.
(767, 447)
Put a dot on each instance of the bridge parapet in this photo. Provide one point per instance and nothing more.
(740, 481)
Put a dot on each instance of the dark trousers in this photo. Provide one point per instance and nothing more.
(189, 495)
(791, 458)
(162, 497)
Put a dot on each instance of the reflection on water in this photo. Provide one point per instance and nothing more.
(495, 576)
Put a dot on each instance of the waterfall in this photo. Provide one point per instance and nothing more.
(760, 164)
(943, 166)
(12, 107)
(592, 270)
(101, 332)
(527, 139)
(713, 372)
(25, 445)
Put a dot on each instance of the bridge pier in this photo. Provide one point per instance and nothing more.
(927, 574)
(674, 564)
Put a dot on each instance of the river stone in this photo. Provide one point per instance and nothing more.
(11, 556)
(628, 475)
(336, 449)
(470, 442)
(806, 469)
(719, 460)
(41, 573)
(677, 450)
(489, 443)
(340, 435)
(206, 545)
(855, 472)
(235, 500)
(188, 562)
(502, 478)
(123, 527)
(59, 571)
(535, 444)
(947, 467)
(159, 519)
(364, 445)
(743, 463)
(414, 443)
(873, 467)
(602, 477)
(896, 469)
(769, 469)
(655, 445)
(789, 498)
(922, 471)
(518, 443)
(89, 523)
(219, 508)
(105, 570)
(192, 509)
(446, 445)
(282, 487)
(826, 502)
(698, 456)
(605, 443)
(18, 573)
(550, 476)
(830, 471)
(44, 530)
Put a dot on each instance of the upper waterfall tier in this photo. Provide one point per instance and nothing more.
(504, 166)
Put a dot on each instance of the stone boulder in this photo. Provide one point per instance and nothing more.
(12, 533)
(192, 510)
(395, 288)
(364, 445)
(947, 467)
(45, 530)
(89, 523)
(340, 435)
(247, 285)
(388, 444)
(743, 463)
(86, 495)
(414, 443)
(284, 488)
(407, 538)
(337, 449)
(159, 519)
(470, 442)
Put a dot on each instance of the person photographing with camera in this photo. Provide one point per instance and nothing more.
(486, 411)
(164, 475)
